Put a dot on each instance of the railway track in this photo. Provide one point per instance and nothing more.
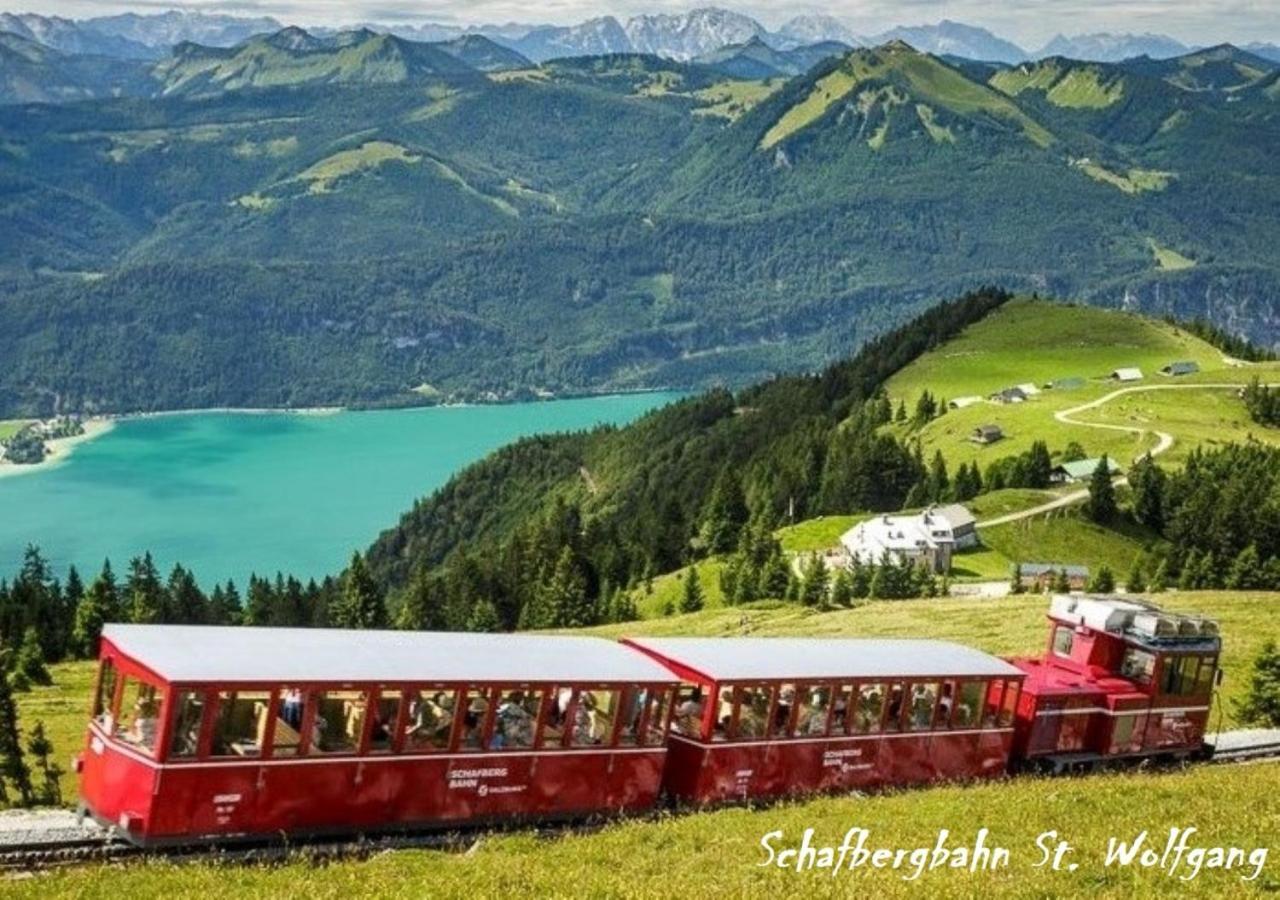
(48, 840)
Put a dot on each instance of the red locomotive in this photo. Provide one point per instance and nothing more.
(222, 734)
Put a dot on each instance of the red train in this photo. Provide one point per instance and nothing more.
(223, 734)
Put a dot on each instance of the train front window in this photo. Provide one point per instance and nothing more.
(105, 699)
(187, 717)
(139, 717)
(815, 709)
(1063, 638)
(1204, 680)
(593, 718)
(429, 720)
(923, 699)
(386, 712)
(338, 721)
(516, 719)
(1180, 675)
(240, 728)
(1138, 665)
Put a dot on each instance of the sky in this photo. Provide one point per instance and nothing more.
(1029, 22)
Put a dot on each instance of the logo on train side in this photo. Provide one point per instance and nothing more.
(477, 780)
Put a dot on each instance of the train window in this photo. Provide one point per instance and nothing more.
(386, 712)
(187, 716)
(475, 712)
(593, 718)
(780, 724)
(104, 700)
(241, 724)
(553, 728)
(1009, 704)
(969, 704)
(893, 716)
(659, 703)
(287, 738)
(1204, 680)
(845, 699)
(516, 719)
(632, 712)
(1138, 665)
(1127, 735)
(870, 709)
(946, 705)
(1180, 675)
(991, 709)
(924, 697)
(338, 721)
(1063, 638)
(139, 716)
(753, 711)
(815, 708)
(687, 717)
(724, 714)
(429, 721)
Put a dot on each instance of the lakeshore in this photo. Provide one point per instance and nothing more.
(58, 450)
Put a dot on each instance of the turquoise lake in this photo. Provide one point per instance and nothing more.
(227, 494)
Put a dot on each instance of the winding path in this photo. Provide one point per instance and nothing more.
(1163, 443)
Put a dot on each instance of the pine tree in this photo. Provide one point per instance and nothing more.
(1039, 465)
(842, 589)
(361, 604)
(814, 585)
(145, 593)
(188, 603)
(775, 578)
(1103, 581)
(691, 597)
(101, 604)
(422, 609)
(1261, 705)
(484, 617)
(13, 765)
(1190, 572)
(1015, 580)
(29, 661)
(1136, 583)
(41, 748)
(1147, 480)
(1060, 584)
(1160, 579)
(1246, 571)
(725, 514)
(1101, 507)
(565, 595)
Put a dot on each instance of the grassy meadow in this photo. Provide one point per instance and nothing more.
(10, 427)
(1040, 342)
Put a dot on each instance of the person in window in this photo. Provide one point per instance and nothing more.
(474, 721)
(143, 729)
(688, 716)
(515, 725)
(813, 715)
(944, 706)
(782, 715)
(584, 719)
(839, 713)
(894, 718)
(291, 708)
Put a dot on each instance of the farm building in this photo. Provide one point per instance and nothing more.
(927, 539)
(1009, 395)
(1040, 576)
(1130, 374)
(1066, 384)
(1079, 470)
(1180, 368)
(986, 434)
(1028, 389)
(962, 402)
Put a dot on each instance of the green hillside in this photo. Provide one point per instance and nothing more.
(1044, 343)
(678, 227)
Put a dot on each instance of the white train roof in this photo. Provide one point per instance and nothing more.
(743, 659)
(199, 653)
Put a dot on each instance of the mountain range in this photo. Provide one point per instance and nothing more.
(684, 36)
(308, 219)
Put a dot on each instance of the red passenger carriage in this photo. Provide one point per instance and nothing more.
(767, 717)
(206, 733)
